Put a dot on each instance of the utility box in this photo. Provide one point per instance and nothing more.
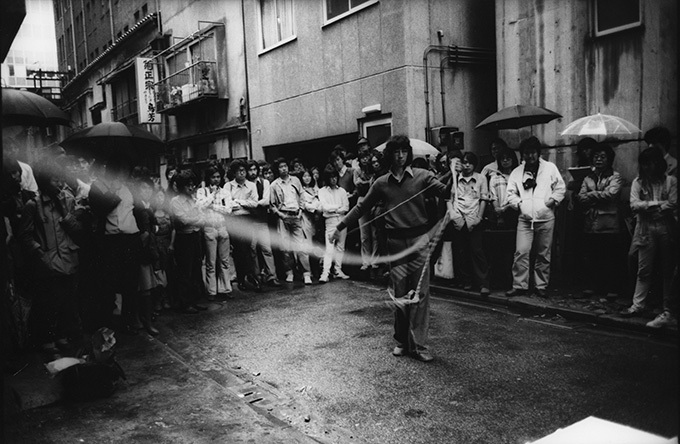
(442, 136)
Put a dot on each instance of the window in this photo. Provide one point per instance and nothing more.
(337, 8)
(376, 129)
(276, 22)
(124, 91)
(616, 15)
(136, 16)
(145, 9)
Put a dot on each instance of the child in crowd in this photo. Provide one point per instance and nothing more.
(466, 207)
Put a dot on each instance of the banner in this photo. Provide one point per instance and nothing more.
(147, 76)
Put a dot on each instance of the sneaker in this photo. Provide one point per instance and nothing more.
(364, 268)
(399, 351)
(324, 278)
(308, 279)
(422, 356)
(289, 277)
(663, 320)
(630, 312)
(340, 275)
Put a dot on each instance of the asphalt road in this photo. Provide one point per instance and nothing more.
(316, 361)
(497, 377)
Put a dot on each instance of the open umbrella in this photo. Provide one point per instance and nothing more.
(601, 125)
(108, 138)
(420, 148)
(517, 116)
(25, 108)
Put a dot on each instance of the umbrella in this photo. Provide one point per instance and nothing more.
(420, 148)
(25, 108)
(108, 138)
(518, 116)
(600, 125)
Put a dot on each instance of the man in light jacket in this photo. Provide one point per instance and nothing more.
(535, 188)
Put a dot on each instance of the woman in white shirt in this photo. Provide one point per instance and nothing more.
(334, 204)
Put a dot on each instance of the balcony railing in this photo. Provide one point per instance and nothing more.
(191, 83)
(125, 111)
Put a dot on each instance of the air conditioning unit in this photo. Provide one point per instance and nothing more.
(442, 136)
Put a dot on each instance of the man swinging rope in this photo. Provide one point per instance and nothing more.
(403, 191)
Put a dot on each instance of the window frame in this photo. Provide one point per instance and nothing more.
(377, 119)
(598, 33)
(260, 25)
(349, 12)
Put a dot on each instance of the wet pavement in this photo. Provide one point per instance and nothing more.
(312, 364)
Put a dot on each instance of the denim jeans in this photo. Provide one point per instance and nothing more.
(216, 260)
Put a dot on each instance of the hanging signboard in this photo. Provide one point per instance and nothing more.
(147, 76)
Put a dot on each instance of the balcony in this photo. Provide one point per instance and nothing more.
(187, 86)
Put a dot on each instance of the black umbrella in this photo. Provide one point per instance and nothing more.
(518, 116)
(113, 138)
(25, 108)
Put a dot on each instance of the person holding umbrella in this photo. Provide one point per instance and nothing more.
(535, 188)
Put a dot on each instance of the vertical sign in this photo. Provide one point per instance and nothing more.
(147, 76)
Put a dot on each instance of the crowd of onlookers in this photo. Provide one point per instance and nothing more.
(86, 238)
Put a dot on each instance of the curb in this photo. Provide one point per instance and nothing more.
(524, 304)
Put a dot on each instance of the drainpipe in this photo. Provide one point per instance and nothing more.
(426, 53)
(245, 61)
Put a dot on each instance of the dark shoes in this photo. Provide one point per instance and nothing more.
(250, 283)
(273, 282)
(631, 312)
(540, 293)
(189, 310)
(515, 292)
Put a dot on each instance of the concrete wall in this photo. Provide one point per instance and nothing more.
(547, 56)
(316, 85)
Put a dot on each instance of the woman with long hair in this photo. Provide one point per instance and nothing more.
(654, 200)
(309, 203)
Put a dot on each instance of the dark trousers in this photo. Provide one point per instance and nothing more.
(54, 313)
(604, 262)
(244, 260)
(119, 273)
(469, 256)
(411, 324)
(188, 259)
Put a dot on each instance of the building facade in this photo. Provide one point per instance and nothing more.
(175, 68)
(322, 73)
(583, 57)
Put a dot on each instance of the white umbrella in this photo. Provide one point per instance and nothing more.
(420, 148)
(601, 125)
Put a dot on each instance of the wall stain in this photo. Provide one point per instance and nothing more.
(610, 50)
